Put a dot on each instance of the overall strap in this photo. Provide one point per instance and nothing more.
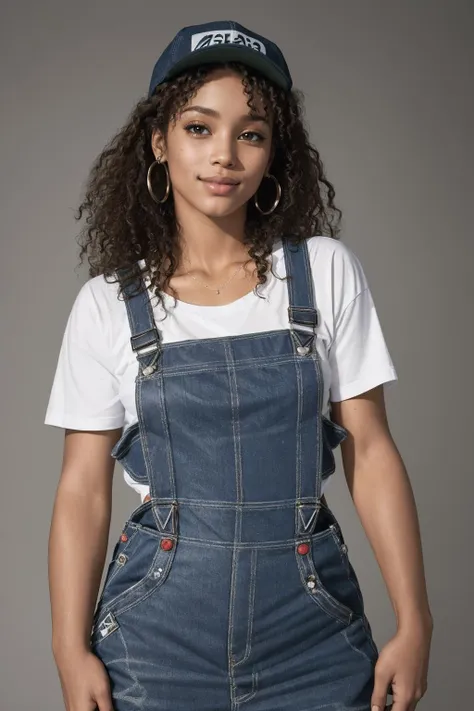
(145, 339)
(302, 309)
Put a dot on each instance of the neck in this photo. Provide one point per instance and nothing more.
(211, 243)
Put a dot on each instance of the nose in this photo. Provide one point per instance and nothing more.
(223, 152)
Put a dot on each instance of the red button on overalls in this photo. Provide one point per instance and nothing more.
(303, 548)
(167, 544)
(124, 538)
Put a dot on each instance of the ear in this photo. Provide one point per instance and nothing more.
(158, 145)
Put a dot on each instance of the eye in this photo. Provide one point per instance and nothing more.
(197, 126)
(258, 136)
(196, 129)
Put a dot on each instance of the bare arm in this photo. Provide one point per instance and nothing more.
(382, 494)
(79, 535)
(380, 488)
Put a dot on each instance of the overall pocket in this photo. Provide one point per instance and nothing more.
(140, 564)
(324, 573)
(333, 435)
(128, 452)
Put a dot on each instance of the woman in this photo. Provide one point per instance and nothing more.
(243, 348)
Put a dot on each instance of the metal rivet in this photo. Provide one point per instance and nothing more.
(149, 370)
(303, 548)
(122, 558)
(311, 582)
(303, 350)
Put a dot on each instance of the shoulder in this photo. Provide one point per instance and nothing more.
(336, 268)
(337, 272)
(333, 253)
(97, 313)
(327, 252)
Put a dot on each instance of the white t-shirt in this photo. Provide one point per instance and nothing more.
(94, 388)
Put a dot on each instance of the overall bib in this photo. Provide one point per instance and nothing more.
(232, 587)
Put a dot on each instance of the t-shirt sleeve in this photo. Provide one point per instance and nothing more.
(85, 390)
(358, 354)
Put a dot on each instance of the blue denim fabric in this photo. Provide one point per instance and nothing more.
(210, 601)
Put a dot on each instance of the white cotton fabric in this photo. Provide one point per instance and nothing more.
(94, 388)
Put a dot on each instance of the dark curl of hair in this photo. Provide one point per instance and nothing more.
(123, 223)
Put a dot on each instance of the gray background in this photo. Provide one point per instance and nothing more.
(390, 106)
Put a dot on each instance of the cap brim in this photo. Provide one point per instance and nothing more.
(232, 53)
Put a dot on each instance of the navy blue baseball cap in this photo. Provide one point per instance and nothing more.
(220, 41)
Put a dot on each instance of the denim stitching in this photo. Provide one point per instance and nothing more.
(149, 531)
(222, 339)
(230, 628)
(119, 451)
(250, 505)
(117, 566)
(125, 694)
(215, 367)
(144, 439)
(251, 694)
(333, 607)
(253, 578)
(243, 545)
(345, 560)
(326, 445)
(238, 517)
(240, 364)
(318, 438)
(140, 479)
(300, 395)
(356, 649)
(234, 398)
(114, 604)
(169, 453)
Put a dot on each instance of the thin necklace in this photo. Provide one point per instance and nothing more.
(212, 288)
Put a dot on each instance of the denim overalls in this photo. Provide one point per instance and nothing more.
(232, 587)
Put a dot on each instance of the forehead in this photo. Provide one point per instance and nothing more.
(223, 90)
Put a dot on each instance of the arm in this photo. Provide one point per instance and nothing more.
(382, 494)
(79, 536)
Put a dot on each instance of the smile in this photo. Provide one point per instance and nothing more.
(220, 188)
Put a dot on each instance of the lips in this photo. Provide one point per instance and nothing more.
(220, 180)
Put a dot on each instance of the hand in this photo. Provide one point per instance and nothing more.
(403, 662)
(84, 681)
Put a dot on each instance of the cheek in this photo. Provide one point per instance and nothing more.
(185, 162)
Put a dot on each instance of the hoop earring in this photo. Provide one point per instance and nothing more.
(148, 181)
(277, 199)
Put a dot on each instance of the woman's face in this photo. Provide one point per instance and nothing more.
(215, 136)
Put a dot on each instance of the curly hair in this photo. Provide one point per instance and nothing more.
(124, 225)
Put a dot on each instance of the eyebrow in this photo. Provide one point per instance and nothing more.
(211, 112)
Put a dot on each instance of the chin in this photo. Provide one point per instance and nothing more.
(222, 210)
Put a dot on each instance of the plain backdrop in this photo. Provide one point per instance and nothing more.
(389, 104)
